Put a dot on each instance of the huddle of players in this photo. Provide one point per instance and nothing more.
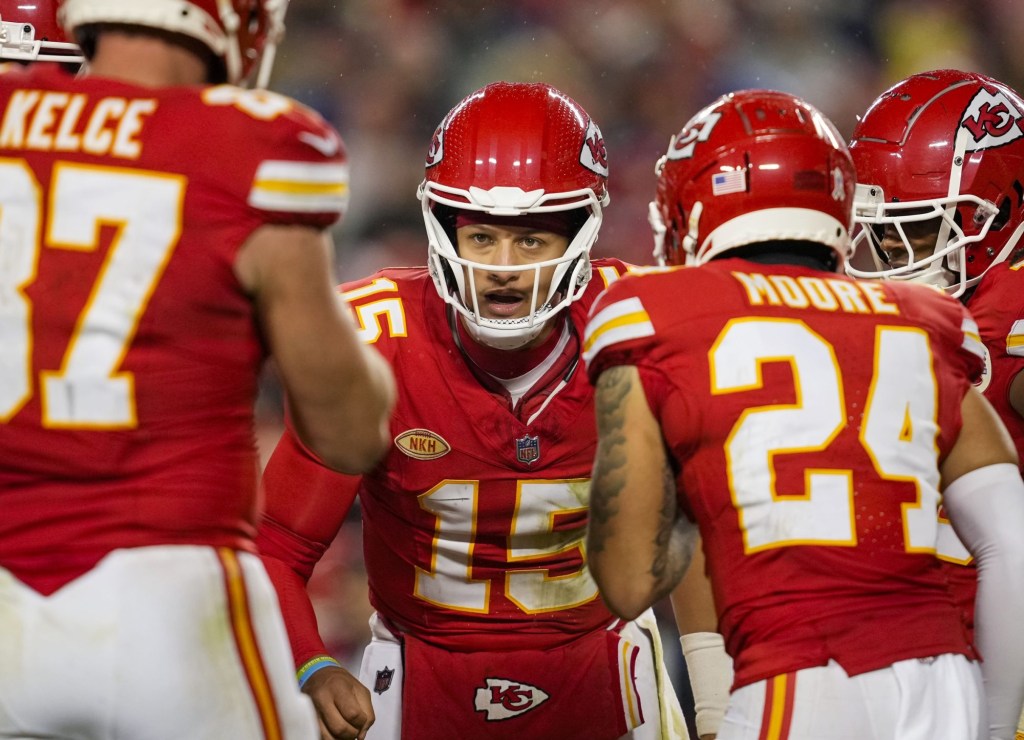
(807, 424)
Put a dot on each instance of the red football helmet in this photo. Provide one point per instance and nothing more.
(511, 149)
(754, 166)
(242, 33)
(946, 148)
(30, 32)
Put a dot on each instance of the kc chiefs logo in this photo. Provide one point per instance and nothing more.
(992, 119)
(696, 131)
(503, 699)
(436, 152)
(594, 156)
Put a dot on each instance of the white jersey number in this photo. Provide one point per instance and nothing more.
(145, 209)
(532, 540)
(902, 392)
(369, 315)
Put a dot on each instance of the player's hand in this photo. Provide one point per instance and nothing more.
(342, 704)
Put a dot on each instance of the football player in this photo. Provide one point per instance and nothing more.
(806, 422)
(940, 162)
(161, 230)
(487, 621)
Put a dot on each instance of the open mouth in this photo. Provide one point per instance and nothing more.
(503, 305)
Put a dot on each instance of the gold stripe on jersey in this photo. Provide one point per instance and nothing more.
(619, 322)
(300, 187)
(972, 338)
(1015, 339)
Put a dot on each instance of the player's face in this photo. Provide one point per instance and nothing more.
(508, 294)
(921, 236)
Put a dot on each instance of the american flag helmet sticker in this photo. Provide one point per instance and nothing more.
(724, 183)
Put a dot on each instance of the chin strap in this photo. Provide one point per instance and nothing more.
(504, 339)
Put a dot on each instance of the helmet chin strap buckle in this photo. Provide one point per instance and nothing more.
(503, 339)
(507, 334)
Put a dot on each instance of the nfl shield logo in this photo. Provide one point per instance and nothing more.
(528, 449)
(383, 682)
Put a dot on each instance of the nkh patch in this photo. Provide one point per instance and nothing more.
(503, 699)
(724, 183)
(528, 449)
(383, 681)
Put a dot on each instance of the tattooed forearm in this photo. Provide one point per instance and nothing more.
(681, 538)
(609, 477)
(670, 559)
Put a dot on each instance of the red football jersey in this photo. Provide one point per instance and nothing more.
(130, 351)
(473, 524)
(808, 413)
(997, 304)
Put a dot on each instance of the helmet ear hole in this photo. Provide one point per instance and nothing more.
(563, 287)
(449, 278)
(1002, 217)
(675, 240)
(680, 232)
(445, 216)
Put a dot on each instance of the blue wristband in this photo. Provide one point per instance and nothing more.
(312, 666)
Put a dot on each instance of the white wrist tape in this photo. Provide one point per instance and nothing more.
(710, 670)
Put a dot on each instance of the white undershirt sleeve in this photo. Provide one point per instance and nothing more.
(986, 509)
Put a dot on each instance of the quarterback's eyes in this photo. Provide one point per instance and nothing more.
(528, 241)
(481, 239)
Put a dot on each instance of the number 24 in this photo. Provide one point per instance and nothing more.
(902, 393)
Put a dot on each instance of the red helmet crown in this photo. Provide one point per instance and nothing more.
(524, 135)
(754, 166)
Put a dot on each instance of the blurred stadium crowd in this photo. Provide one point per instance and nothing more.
(386, 71)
